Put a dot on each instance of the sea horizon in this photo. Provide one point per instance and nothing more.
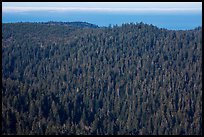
(167, 21)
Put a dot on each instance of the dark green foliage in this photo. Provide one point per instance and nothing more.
(62, 78)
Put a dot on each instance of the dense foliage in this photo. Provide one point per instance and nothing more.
(58, 78)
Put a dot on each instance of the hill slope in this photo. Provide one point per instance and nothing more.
(129, 79)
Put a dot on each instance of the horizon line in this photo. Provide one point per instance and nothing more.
(97, 9)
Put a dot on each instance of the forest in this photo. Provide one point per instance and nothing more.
(76, 78)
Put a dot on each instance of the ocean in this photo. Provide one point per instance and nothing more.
(169, 21)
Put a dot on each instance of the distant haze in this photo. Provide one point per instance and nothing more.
(170, 15)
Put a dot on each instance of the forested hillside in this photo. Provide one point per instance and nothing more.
(60, 78)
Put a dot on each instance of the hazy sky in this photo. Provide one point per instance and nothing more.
(189, 7)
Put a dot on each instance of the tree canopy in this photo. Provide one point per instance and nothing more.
(137, 79)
